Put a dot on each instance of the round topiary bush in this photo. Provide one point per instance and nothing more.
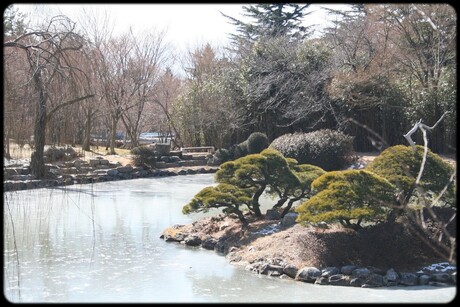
(401, 164)
(257, 142)
(240, 150)
(143, 156)
(328, 149)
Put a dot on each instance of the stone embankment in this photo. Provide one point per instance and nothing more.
(280, 257)
(18, 177)
(439, 275)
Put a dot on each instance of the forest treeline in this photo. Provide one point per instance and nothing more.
(373, 74)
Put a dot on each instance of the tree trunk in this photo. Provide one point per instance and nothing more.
(280, 203)
(289, 206)
(241, 216)
(37, 163)
(6, 146)
(113, 135)
(87, 137)
(255, 201)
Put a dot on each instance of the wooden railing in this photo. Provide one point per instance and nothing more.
(209, 149)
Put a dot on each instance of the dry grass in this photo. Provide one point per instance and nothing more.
(121, 155)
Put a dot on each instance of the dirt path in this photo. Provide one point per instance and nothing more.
(124, 157)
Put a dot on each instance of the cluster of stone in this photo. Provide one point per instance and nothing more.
(439, 275)
(174, 234)
(80, 172)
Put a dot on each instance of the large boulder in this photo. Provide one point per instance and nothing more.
(348, 269)
(173, 234)
(408, 279)
(373, 280)
(272, 214)
(391, 278)
(192, 240)
(289, 220)
(338, 280)
(360, 272)
(290, 270)
(308, 274)
(329, 271)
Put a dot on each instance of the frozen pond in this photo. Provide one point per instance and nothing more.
(100, 243)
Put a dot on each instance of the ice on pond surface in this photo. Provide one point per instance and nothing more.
(100, 243)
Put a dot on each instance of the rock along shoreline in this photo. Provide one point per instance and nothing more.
(218, 234)
(17, 176)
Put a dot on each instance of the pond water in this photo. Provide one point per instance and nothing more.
(100, 243)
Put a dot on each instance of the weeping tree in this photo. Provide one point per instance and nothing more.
(50, 51)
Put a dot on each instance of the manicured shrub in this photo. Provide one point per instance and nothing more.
(143, 156)
(226, 196)
(349, 197)
(221, 155)
(257, 142)
(328, 149)
(400, 165)
(240, 150)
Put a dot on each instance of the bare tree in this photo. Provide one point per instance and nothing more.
(425, 37)
(205, 110)
(145, 68)
(98, 27)
(160, 113)
(128, 69)
(50, 52)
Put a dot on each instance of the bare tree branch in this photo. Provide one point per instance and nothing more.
(65, 104)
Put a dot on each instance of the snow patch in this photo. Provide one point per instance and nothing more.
(268, 230)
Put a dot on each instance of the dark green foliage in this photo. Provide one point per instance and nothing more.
(247, 172)
(328, 149)
(271, 19)
(283, 177)
(255, 172)
(400, 165)
(257, 142)
(223, 154)
(241, 150)
(226, 196)
(220, 156)
(348, 195)
(242, 182)
(143, 156)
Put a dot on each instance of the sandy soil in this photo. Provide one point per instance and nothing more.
(383, 246)
(23, 154)
(18, 153)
